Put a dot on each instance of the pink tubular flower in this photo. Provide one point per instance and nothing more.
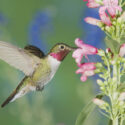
(104, 16)
(92, 3)
(86, 69)
(122, 50)
(83, 50)
(92, 21)
(110, 5)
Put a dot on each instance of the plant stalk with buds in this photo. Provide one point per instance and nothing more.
(111, 70)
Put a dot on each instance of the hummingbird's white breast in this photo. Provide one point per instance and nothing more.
(54, 64)
(48, 75)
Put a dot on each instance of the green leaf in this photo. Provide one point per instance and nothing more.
(86, 112)
(121, 87)
(110, 122)
(112, 44)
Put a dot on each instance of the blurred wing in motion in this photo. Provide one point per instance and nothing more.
(34, 50)
(20, 58)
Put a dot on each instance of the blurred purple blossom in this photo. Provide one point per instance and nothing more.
(41, 22)
(3, 19)
(3, 23)
(93, 34)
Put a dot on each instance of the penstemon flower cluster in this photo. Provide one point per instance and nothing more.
(111, 70)
(86, 69)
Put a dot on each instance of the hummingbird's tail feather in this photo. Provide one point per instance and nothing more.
(21, 90)
(9, 99)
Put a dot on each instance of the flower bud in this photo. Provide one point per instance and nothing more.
(113, 62)
(122, 18)
(107, 28)
(97, 71)
(102, 28)
(119, 20)
(114, 23)
(99, 1)
(115, 95)
(108, 50)
(102, 88)
(99, 65)
(122, 50)
(122, 96)
(114, 79)
(99, 82)
(98, 102)
(92, 21)
(123, 26)
(92, 3)
(101, 52)
(121, 103)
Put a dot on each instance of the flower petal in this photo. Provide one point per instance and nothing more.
(80, 70)
(83, 50)
(78, 55)
(89, 73)
(89, 50)
(112, 11)
(112, 7)
(83, 78)
(104, 16)
(86, 69)
(86, 49)
(88, 66)
(92, 21)
(78, 42)
(92, 4)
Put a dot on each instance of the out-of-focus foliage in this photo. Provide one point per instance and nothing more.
(44, 23)
(85, 113)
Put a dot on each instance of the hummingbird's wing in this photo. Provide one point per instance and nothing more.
(20, 58)
(35, 51)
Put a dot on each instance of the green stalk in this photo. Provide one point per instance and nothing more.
(121, 121)
(114, 97)
(123, 4)
(120, 2)
(115, 122)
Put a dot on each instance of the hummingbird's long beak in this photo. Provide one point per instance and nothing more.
(73, 48)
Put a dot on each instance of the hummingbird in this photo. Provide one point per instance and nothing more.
(38, 68)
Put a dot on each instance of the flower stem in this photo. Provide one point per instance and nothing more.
(120, 2)
(121, 121)
(123, 4)
(115, 121)
(114, 96)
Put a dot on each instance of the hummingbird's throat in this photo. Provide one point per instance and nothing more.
(60, 55)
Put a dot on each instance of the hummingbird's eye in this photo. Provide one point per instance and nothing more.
(62, 47)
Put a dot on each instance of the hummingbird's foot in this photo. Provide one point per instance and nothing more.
(39, 88)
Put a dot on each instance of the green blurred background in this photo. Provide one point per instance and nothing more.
(44, 23)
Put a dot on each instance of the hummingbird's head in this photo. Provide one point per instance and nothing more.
(60, 51)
